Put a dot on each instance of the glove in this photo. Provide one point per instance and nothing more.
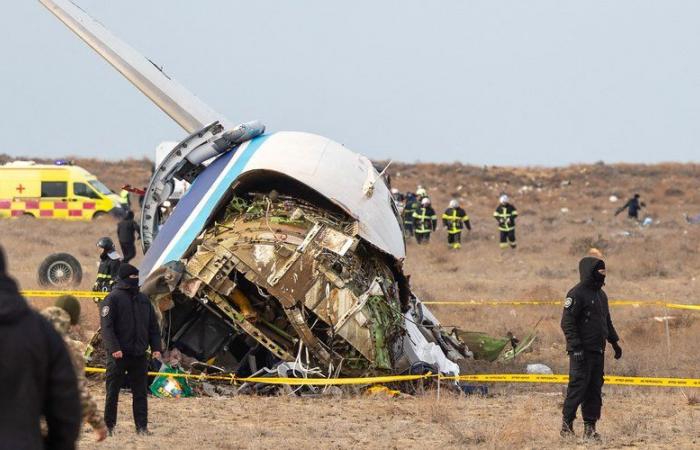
(618, 350)
(577, 355)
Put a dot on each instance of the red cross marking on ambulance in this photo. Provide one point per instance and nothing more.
(20, 188)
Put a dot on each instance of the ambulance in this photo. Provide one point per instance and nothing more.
(59, 191)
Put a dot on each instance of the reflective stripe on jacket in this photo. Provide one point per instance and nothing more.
(455, 219)
(426, 220)
(505, 214)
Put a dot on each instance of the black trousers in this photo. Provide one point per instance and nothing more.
(585, 386)
(508, 238)
(454, 238)
(423, 238)
(128, 249)
(408, 229)
(135, 370)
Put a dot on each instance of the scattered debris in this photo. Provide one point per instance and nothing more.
(693, 220)
(613, 198)
(539, 369)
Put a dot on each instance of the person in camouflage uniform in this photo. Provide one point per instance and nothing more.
(62, 321)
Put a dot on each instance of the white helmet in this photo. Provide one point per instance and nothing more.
(421, 192)
(394, 191)
(503, 198)
(454, 203)
(425, 201)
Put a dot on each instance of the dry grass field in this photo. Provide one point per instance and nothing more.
(563, 212)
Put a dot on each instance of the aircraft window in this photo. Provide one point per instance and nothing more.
(54, 189)
(99, 187)
(82, 190)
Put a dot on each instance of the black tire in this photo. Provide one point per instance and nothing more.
(60, 270)
(98, 215)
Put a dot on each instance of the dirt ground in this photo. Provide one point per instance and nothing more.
(563, 212)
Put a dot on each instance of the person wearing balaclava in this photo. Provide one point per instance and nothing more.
(587, 326)
(129, 327)
(36, 376)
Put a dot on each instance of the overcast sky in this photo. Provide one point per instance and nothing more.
(490, 82)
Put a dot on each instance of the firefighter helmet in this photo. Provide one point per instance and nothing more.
(106, 243)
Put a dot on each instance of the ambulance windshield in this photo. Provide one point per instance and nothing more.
(99, 187)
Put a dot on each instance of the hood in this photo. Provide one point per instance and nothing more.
(12, 305)
(588, 270)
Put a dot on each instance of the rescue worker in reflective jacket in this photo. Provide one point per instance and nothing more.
(409, 208)
(129, 327)
(425, 221)
(455, 219)
(505, 215)
(108, 268)
(587, 326)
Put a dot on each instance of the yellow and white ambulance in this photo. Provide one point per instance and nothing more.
(48, 191)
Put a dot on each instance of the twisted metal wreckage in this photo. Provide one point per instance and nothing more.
(285, 256)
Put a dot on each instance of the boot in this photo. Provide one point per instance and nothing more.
(589, 432)
(567, 429)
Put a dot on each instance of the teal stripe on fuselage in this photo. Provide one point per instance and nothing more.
(197, 225)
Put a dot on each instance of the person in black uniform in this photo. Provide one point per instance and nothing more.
(129, 327)
(632, 206)
(127, 230)
(587, 326)
(108, 267)
(37, 378)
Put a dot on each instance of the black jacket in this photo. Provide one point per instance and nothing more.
(129, 322)
(505, 215)
(586, 318)
(107, 271)
(126, 230)
(455, 219)
(36, 378)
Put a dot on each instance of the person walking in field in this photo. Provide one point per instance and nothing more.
(632, 206)
(587, 326)
(127, 233)
(425, 221)
(455, 219)
(505, 215)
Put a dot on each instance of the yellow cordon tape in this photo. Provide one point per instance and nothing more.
(487, 378)
(54, 294)
(634, 303)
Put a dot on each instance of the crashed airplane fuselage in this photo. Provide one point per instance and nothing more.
(287, 251)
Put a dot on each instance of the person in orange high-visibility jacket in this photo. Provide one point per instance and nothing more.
(425, 221)
(455, 219)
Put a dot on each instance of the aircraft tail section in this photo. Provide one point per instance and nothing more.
(177, 102)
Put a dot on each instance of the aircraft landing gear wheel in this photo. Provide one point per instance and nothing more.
(60, 270)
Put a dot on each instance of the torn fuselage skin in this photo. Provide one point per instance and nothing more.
(277, 278)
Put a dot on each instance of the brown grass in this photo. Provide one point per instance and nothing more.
(659, 262)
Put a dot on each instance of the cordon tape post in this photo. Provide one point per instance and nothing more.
(463, 303)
